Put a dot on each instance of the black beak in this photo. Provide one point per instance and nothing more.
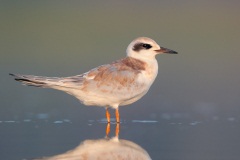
(165, 50)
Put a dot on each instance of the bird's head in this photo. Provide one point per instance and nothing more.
(146, 48)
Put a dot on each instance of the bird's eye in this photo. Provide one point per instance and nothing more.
(147, 46)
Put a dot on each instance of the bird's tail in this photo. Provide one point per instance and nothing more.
(61, 83)
(37, 81)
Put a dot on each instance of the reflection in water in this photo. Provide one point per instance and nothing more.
(104, 149)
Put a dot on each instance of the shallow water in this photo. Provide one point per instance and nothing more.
(180, 139)
(190, 113)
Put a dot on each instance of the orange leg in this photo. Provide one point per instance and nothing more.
(108, 115)
(108, 129)
(117, 116)
(117, 129)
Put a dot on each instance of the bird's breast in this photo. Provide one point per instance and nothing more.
(149, 74)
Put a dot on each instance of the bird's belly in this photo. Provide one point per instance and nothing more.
(114, 96)
(132, 99)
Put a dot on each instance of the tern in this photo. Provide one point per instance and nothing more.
(119, 83)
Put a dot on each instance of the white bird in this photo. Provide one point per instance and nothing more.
(119, 83)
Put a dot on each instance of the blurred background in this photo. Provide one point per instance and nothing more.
(65, 38)
(62, 38)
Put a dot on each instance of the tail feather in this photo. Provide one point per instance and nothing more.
(49, 82)
(36, 81)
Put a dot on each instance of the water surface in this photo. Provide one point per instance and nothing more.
(180, 139)
(190, 113)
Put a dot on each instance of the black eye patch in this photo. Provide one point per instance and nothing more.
(140, 46)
